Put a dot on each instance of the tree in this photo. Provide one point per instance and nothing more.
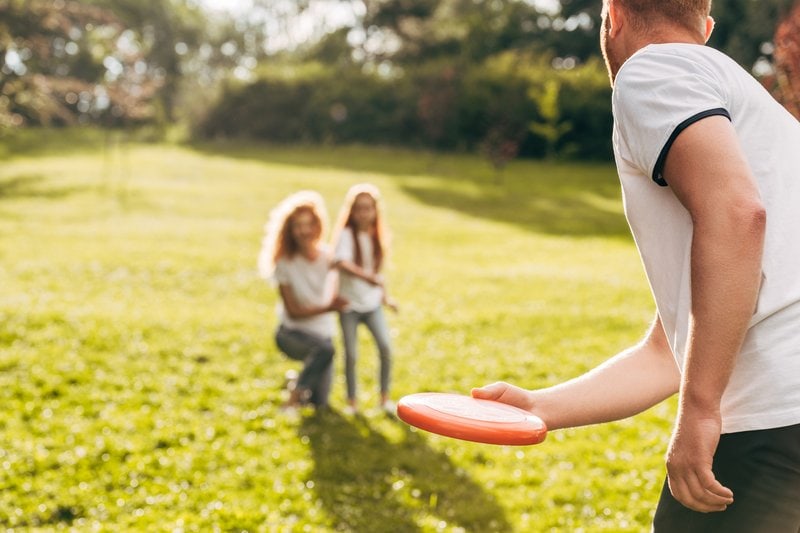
(498, 96)
(67, 61)
(551, 127)
(744, 28)
(410, 32)
(164, 33)
(439, 86)
(787, 61)
(573, 30)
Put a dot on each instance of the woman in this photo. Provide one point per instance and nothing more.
(294, 256)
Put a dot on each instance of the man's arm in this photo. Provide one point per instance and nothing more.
(708, 173)
(623, 386)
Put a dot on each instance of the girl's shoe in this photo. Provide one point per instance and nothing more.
(290, 379)
(351, 409)
(389, 407)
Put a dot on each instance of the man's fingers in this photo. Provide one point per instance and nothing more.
(705, 500)
(704, 495)
(715, 488)
(505, 393)
(490, 392)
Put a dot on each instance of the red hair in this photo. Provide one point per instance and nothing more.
(286, 245)
(278, 239)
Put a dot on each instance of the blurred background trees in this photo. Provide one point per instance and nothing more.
(66, 62)
(505, 77)
(786, 78)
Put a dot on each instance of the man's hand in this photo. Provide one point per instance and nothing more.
(505, 393)
(689, 461)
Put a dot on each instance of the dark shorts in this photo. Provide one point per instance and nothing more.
(762, 468)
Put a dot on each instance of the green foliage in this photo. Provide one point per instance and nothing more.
(744, 26)
(551, 128)
(52, 69)
(114, 62)
(787, 62)
(319, 105)
(122, 62)
(585, 104)
(465, 31)
(438, 105)
(472, 31)
(160, 28)
(494, 108)
(141, 384)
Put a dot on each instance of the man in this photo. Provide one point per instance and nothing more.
(710, 170)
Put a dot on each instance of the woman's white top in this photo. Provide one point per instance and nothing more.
(313, 284)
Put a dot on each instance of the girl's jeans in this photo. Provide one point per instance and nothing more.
(316, 353)
(376, 324)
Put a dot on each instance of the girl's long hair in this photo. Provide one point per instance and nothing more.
(378, 232)
(278, 241)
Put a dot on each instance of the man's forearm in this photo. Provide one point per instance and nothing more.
(726, 277)
(626, 384)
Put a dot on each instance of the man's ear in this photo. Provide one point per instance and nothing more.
(615, 18)
(709, 27)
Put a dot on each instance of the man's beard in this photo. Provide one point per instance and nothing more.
(612, 64)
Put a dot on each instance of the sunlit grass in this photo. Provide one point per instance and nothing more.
(140, 383)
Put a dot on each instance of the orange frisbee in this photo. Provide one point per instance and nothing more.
(467, 418)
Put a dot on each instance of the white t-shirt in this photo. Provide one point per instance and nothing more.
(659, 91)
(313, 284)
(361, 295)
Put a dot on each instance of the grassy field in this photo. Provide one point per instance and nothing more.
(140, 383)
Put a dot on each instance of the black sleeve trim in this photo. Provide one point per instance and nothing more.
(662, 157)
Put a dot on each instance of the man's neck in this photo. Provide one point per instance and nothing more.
(667, 36)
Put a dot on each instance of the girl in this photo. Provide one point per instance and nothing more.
(293, 256)
(361, 245)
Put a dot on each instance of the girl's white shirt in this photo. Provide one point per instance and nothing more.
(313, 284)
(361, 295)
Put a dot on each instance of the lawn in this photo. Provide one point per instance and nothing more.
(141, 386)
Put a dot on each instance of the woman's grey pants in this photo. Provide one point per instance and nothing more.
(316, 353)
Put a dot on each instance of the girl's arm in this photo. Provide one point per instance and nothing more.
(374, 279)
(297, 311)
(355, 270)
(388, 301)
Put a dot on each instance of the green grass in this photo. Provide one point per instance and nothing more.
(140, 383)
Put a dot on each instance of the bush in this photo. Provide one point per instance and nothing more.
(436, 105)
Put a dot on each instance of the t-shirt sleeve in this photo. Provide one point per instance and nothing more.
(281, 273)
(658, 95)
(345, 248)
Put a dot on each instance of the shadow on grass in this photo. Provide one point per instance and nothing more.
(33, 186)
(553, 198)
(368, 483)
(546, 212)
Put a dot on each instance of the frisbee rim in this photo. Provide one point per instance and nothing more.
(415, 410)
